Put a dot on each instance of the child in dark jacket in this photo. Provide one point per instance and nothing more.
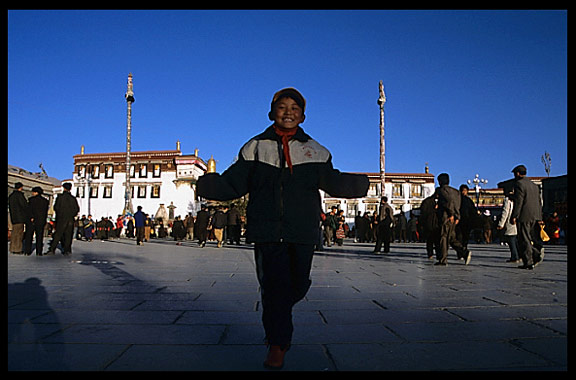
(282, 169)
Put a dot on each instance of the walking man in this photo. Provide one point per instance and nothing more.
(527, 215)
(384, 225)
(448, 216)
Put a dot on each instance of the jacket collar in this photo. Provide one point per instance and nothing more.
(270, 134)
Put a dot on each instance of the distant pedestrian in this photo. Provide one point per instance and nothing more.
(178, 230)
(148, 227)
(508, 229)
(201, 225)
(401, 227)
(38, 206)
(330, 225)
(66, 208)
(384, 222)
(487, 226)
(527, 216)
(428, 223)
(282, 169)
(80, 227)
(189, 225)
(19, 215)
(341, 228)
(412, 228)
(119, 226)
(233, 224)
(468, 216)
(140, 222)
(89, 228)
(219, 220)
(358, 227)
(130, 227)
(449, 216)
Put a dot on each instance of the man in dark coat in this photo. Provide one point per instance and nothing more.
(178, 230)
(384, 226)
(201, 225)
(468, 215)
(233, 224)
(527, 214)
(219, 220)
(428, 223)
(38, 209)
(449, 216)
(140, 223)
(19, 216)
(66, 208)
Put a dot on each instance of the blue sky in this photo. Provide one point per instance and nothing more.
(467, 91)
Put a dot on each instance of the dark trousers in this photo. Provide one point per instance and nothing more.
(63, 234)
(283, 271)
(234, 233)
(529, 242)
(383, 235)
(31, 230)
(463, 232)
(201, 234)
(140, 232)
(448, 239)
(430, 236)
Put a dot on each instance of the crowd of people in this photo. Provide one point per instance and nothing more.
(29, 219)
(449, 218)
(226, 225)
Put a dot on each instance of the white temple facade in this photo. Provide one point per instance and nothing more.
(164, 177)
(168, 178)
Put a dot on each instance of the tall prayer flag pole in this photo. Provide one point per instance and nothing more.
(129, 100)
(381, 101)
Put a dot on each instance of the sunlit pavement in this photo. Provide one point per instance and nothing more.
(115, 306)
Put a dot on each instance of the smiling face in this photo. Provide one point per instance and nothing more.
(287, 113)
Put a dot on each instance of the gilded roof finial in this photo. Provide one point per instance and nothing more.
(211, 165)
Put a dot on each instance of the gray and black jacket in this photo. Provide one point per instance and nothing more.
(282, 206)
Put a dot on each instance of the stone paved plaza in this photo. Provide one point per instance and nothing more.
(115, 306)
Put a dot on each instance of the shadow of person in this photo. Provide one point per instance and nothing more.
(26, 351)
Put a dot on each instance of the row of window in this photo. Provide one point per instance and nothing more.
(416, 190)
(94, 171)
(140, 191)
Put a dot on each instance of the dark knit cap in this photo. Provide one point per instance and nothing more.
(291, 93)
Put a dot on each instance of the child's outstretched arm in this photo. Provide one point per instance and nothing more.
(231, 184)
(342, 185)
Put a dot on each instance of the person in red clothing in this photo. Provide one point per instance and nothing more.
(282, 169)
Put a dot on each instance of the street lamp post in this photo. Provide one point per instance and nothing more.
(477, 181)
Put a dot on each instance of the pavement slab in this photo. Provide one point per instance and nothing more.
(115, 306)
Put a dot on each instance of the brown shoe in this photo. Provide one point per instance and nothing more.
(275, 358)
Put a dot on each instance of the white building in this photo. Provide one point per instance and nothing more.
(156, 177)
(168, 177)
